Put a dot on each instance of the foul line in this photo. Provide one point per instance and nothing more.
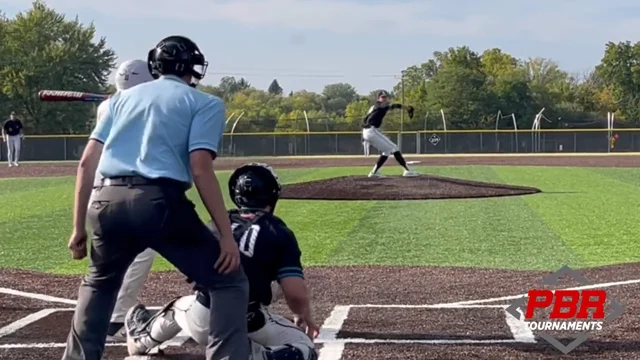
(514, 297)
(437, 306)
(49, 298)
(49, 345)
(417, 341)
(36, 296)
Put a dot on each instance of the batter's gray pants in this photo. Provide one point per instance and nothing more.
(127, 220)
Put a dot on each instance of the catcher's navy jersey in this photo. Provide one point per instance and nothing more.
(377, 112)
(269, 252)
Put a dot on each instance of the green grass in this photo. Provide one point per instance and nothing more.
(585, 217)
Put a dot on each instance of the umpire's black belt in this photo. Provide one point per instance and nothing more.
(142, 181)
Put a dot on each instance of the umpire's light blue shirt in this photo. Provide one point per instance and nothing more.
(149, 130)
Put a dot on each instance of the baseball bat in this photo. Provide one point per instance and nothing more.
(63, 95)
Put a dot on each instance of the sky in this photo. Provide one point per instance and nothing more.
(306, 44)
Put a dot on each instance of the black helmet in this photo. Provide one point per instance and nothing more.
(382, 93)
(179, 56)
(254, 186)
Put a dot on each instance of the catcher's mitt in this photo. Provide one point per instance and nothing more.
(410, 111)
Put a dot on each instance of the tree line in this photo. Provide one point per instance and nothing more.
(42, 49)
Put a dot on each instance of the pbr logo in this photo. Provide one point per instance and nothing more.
(581, 311)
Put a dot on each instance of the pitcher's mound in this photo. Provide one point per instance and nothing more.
(399, 188)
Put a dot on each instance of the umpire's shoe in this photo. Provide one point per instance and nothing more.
(116, 332)
(135, 323)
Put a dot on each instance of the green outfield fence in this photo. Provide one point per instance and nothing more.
(60, 147)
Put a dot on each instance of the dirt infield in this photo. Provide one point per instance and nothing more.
(378, 312)
(69, 169)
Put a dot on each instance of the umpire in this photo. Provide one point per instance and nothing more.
(153, 141)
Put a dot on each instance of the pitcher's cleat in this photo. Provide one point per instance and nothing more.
(410, 173)
(375, 175)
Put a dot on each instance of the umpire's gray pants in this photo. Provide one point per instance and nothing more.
(128, 219)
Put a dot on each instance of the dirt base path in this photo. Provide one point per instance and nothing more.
(69, 169)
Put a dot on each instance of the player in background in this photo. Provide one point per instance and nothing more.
(129, 74)
(269, 251)
(13, 134)
(371, 133)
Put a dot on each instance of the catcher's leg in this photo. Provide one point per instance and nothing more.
(132, 284)
(280, 339)
(145, 332)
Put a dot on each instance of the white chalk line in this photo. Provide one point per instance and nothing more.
(515, 297)
(49, 345)
(331, 344)
(35, 296)
(335, 347)
(438, 306)
(519, 329)
(20, 323)
(419, 341)
(332, 350)
(49, 298)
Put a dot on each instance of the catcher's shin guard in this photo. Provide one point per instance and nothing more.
(161, 327)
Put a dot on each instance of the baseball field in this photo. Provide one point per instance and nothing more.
(392, 278)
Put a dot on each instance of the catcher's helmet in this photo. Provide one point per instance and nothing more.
(179, 56)
(254, 186)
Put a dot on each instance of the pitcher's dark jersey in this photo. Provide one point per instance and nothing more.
(269, 252)
(377, 113)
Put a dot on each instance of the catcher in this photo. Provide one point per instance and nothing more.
(269, 252)
(371, 133)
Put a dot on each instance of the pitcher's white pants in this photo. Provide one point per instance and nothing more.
(188, 315)
(379, 141)
(132, 283)
(13, 148)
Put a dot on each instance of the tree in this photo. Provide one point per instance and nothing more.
(461, 94)
(355, 113)
(508, 86)
(43, 50)
(619, 71)
(213, 90)
(340, 91)
(228, 87)
(274, 88)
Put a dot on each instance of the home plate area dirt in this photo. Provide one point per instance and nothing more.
(368, 312)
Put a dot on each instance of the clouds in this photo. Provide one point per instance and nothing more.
(553, 21)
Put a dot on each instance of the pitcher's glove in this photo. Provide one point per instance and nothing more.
(410, 111)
